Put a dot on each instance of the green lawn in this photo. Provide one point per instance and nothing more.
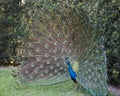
(8, 87)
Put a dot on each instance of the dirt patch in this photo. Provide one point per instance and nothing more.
(114, 90)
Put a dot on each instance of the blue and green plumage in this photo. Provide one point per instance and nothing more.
(72, 73)
(57, 32)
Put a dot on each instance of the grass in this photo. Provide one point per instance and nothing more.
(8, 87)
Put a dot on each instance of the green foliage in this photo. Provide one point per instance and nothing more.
(110, 26)
(10, 29)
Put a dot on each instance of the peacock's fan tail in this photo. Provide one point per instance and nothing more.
(57, 32)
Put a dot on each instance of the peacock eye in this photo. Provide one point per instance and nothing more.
(51, 67)
(26, 71)
(41, 65)
(46, 55)
(62, 50)
(42, 75)
(48, 62)
(55, 58)
(64, 42)
(30, 53)
(38, 59)
(59, 35)
(71, 45)
(58, 64)
(39, 41)
(55, 71)
(55, 51)
(67, 36)
(46, 46)
(46, 71)
(36, 70)
(38, 49)
(32, 65)
(56, 43)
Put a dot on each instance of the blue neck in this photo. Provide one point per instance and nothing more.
(72, 73)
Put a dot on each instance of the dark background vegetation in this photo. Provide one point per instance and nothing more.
(104, 15)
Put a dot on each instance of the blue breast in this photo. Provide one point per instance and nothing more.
(72, 73)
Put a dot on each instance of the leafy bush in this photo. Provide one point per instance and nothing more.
(10, 29)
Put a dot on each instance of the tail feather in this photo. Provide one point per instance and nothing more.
(57, 32)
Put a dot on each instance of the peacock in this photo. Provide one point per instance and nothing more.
(61, 45)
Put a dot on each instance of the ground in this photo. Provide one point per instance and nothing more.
(9, 87)
(114, 90)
